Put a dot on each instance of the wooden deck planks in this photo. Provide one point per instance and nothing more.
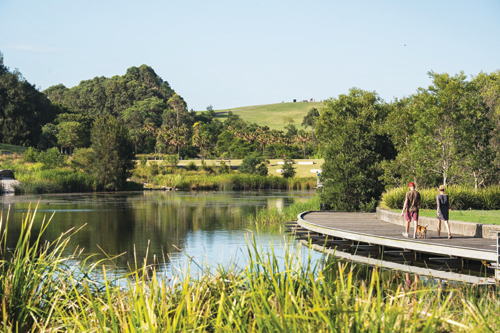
(367, 226)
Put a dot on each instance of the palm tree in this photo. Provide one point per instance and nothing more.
(303, 137)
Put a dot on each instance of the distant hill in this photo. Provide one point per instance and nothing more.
(12, 149)
(272, 114)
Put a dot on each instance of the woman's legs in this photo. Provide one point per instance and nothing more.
(447, 228)
(439, 227)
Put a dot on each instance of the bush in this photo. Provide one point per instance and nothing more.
(251, 162)
(223, 168)
(172, 160)
(191, 167)
(288, 171)
(262, 170)
(51, 158)
(82, 159)
(207, 168)
(31, 155)
(153, 169)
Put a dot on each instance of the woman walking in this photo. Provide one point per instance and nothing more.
(443, 208)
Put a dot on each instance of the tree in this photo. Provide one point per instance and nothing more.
(73, 131)
(310, 120)
(143, 119)
(23, 109)
(288, 171)
(303, 137)
(349, 129)
(252, 164)
(113, 153)
(179, 106)
(3, 68)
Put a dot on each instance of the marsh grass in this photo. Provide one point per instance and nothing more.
(275, 216)
(41, 290)
(202, 181)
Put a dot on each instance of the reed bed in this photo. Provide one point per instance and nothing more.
(275, 216)
(37, 180)
(41, 289)
(201, 181)
(461, 198)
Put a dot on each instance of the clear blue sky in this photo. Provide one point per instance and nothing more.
(236, 52)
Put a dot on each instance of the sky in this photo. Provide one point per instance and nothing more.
(233, 53)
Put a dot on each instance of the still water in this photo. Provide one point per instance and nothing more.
(209, 227)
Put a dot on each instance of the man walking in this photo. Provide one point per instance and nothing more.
(411, 206)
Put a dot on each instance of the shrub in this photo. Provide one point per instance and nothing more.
(223, 168)
(251, 162)
(51, 158)
(191, 167)
(207, 168)
(82, 159)
(31, 155)
(262, 170)
(288, 171)
(172, 160)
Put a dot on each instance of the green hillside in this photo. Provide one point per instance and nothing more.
(272, 114)
(12, 148)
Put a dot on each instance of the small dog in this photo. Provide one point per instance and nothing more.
(422, 231)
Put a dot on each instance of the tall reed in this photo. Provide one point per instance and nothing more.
(201, 181)
(275, 216)
(41, 290)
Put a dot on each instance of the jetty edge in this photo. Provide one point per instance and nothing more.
(374, 239)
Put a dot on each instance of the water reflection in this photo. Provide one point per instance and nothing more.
(205, 225)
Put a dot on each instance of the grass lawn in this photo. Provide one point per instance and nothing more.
(476, 216)
(12, 149)
(272, 114)
(302, 170)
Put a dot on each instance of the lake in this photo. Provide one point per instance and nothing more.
(208, 227)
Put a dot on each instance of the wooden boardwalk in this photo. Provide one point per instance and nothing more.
(366, 229)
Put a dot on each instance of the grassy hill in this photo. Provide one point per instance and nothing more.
(272, 114)
(11, 148)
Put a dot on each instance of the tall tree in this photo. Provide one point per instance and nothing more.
(310, 120)
(23, 109)
(114, 153)
(350, 131)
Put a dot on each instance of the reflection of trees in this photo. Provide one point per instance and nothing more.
(118, 222)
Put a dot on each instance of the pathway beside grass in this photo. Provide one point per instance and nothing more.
(475, 216)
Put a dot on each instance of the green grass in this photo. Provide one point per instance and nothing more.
(12, 149)
(272, 114)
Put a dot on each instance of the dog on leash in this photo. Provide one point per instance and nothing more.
(422, 231)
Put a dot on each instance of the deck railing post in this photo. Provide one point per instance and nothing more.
(497, 268)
